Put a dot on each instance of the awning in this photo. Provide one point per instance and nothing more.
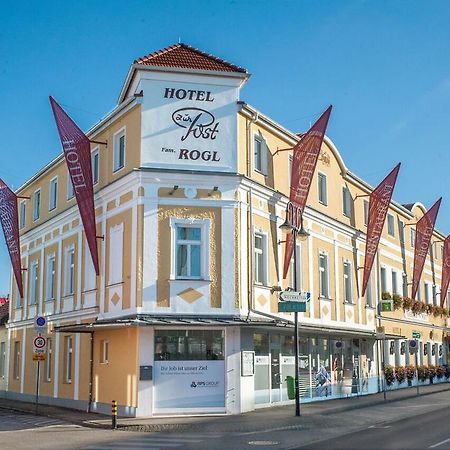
(207, 321)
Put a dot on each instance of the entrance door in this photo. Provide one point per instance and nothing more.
(275, 369)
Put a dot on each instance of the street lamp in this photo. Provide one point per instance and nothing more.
(293, 223)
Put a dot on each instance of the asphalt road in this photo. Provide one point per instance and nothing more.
(424, 431)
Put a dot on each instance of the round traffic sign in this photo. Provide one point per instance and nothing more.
(39, 342)
(40, 321)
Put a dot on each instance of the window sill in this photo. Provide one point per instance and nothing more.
(370, 307)
(350, 303)
(187, 280)
(118, 169)
(49, 300)
(262, 286)
(325, 298)
(323, 203)
(260, 172)
(68, 295)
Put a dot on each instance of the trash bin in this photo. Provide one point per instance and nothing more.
(290, 387)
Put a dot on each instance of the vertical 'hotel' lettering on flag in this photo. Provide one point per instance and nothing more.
(424, 232)
(77, 151)
(9, 218)
(445, 270)
(379, 201)
(305, 156)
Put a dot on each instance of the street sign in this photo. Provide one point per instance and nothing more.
(416, 334)
(292, 296)
(292, 306)
(413, 345)
(39, 344)
(380, 333)
(40, 324)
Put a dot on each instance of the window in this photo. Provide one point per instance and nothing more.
(189, 345)
(104, 351)
(258, 153)
(49, 361)
(296, 281)
(390, 225)
(418, 296)
(348, 282)
(426, 290)
(369, 293)
(70, 191)
(366, 212)
(435, 300)
(2, 359)
(68, 349)
(260, 258)
(346, 202)
(119, 150)
(115, 254)
(16, 367)
(37, 205)
(413, 237)
(290, 163)
(323, 275)
(33, 283)
(50, 279)
(22, 215)
(322, 188)
(383, 279)
(53, 194)
(69, 271)
(95, 165)
(405, 285)
(394, 282)
(188, 251)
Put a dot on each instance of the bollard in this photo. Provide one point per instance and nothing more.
(114, 414)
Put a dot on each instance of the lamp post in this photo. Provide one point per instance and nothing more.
(293, 223)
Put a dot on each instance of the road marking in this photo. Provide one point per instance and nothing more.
(380, 426)
(439, 443)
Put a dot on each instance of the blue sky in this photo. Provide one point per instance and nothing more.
(384, 65)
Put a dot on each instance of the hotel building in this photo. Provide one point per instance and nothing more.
(191, 185)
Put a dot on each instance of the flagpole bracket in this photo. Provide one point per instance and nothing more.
(105, 143)
(361, 195)
(23, 196)
(102, 237)
(23, 268)
(283, 150)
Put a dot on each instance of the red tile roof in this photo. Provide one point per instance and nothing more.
(185, 56)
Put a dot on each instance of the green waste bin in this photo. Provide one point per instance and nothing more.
(290, 387)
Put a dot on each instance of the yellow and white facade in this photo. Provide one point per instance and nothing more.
(190, 191)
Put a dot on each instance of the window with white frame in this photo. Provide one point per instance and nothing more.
(22, 214)
(34, 283)
(116, 254)
(426, 291)
(405, 285)
(390, 225)
(366, 212)
(104, 351)
(53, 194)
(68, 358)
(413, 237)
(17, 360)
(434, 292)
(69, 271)
(37, 205)
(95, 161)
(418, 293)
(322, 188)
(296, 279)
(348, 296)
(401, 231)
(324, 275)
(383, 280)
(369, 293)
(259, 156)
(2, 359)
(346, 202)
(70, 191)
(290, 164)
(260, 258)
(50, 278)
(49, 361)
(119, 150)
(394, 282)
(89, 271)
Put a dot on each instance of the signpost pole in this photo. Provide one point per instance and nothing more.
(37, 385)
(417, 364)
(297, 374)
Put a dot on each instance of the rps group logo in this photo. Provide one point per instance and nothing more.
(204, 384)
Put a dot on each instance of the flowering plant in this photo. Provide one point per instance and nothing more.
(418, 307)
(422, 373)
(447, 372)
(389, 374)
(431, 371)
(398, 301)
(440, 371)
(400, 374)
(407, 302)
(386, 296)
(410, 372)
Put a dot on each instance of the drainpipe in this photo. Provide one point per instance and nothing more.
(91, 375)
(250, 243)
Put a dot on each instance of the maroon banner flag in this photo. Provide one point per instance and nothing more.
(424, 232)
(445, 279)
(9, 218)
(379, 201)
(305, 156)
(77, 151)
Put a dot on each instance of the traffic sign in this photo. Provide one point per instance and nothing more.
(292, 306)
(39, 344)
(413, 345)
(416, 334)
(40, 323)
(292, 296)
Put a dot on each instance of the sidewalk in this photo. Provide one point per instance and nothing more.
(312, 414)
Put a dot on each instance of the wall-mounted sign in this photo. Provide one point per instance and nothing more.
(189, 124)
(416, 334)
(386, 305)
(247, 363)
